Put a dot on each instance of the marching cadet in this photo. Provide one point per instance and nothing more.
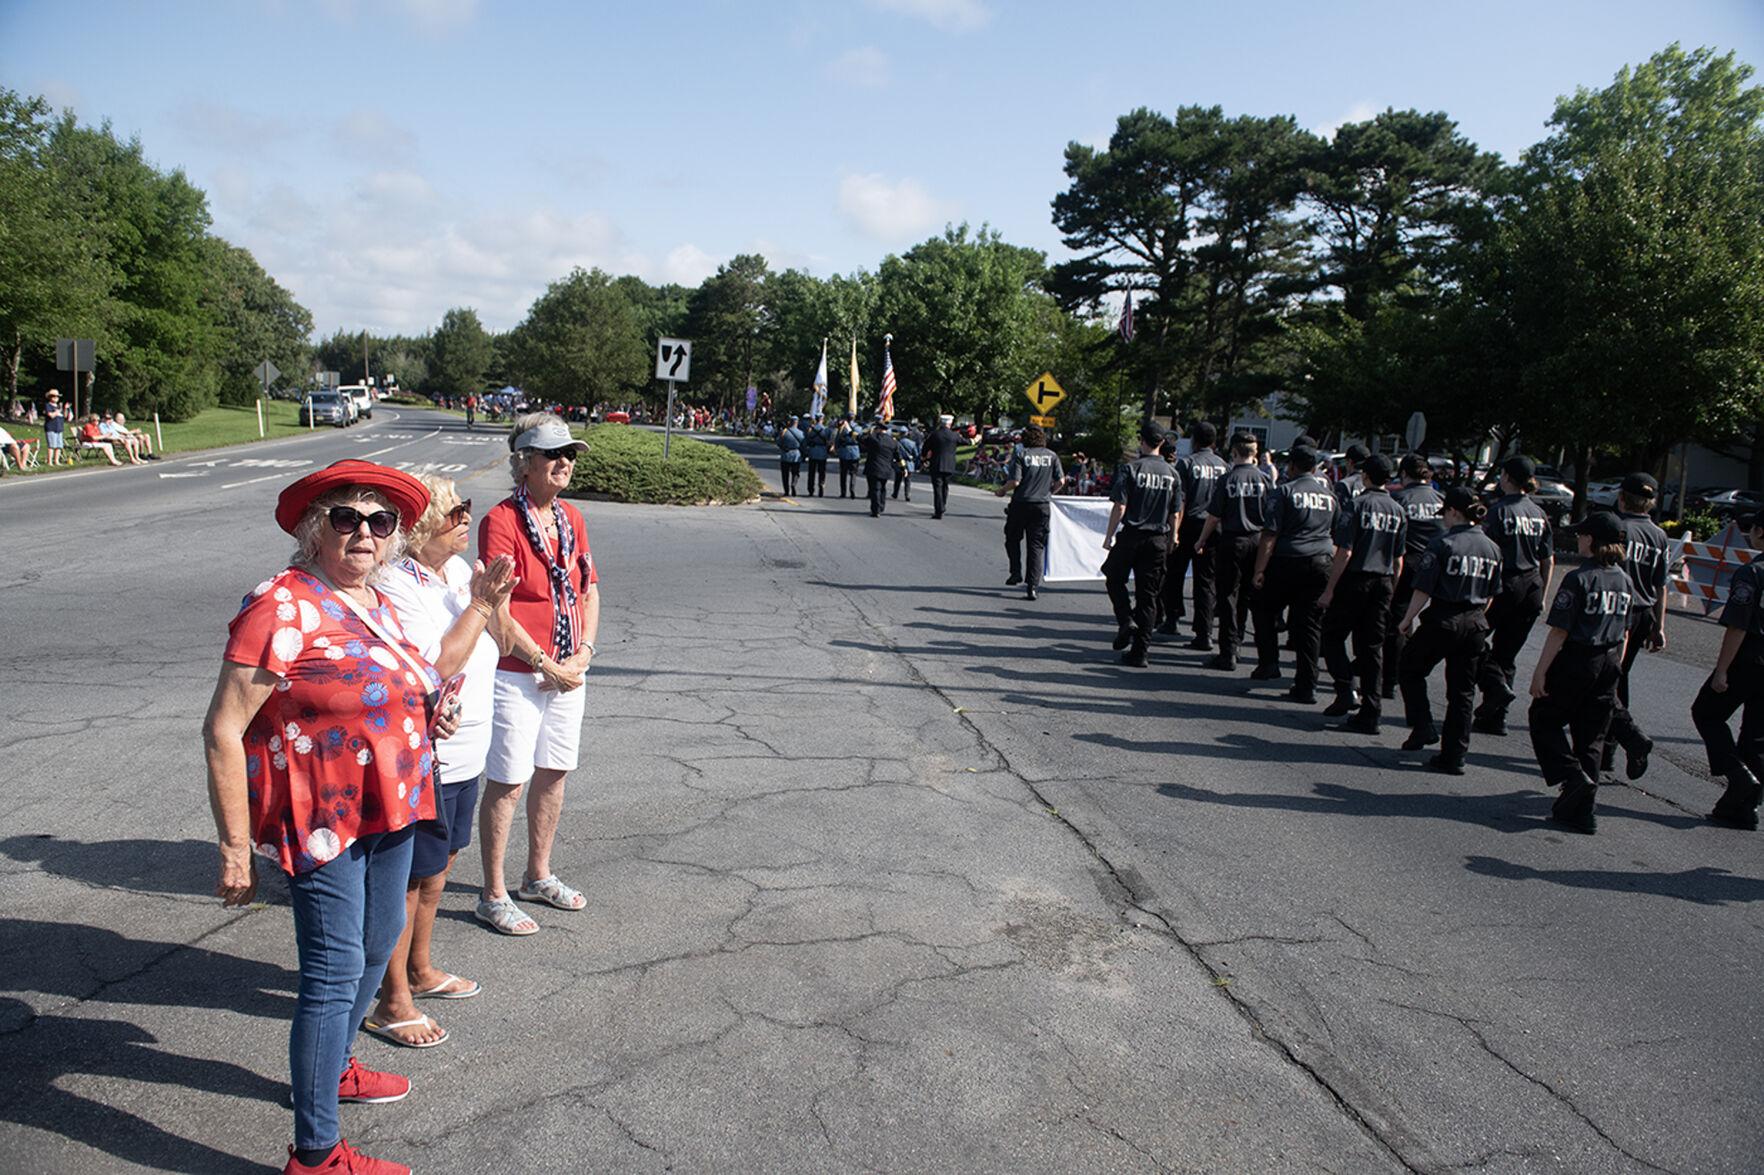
(907, 466)
(1369, 543)
(1349, 485)
(1034, 475)
(1455, 579)
(1422, 503)
(941, 444)
(1236, 514)
(881, 454)
(1198, 471)
(1645, 559)
(1521, 529)
(1147, 510)
(848, 447)
(1574, 687)
(1292, 569)
(790, 455)
(1737, 683)
(817, 444)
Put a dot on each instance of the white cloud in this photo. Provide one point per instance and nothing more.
(687, 265)
(866, 67)
(439, 17)
(230, 129)
(370, 137)
(1358, 112)
(952, 16)
(889, 211)
(59, 93)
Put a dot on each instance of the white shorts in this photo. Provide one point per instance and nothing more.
(533, 728)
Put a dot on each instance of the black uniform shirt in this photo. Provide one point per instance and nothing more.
(1240, 500)
(1592, 606)
(940, 450)
(1644, 558)
(1374, 528)
(1422, 503)
(1347, 489)
(1149, 488)
(1522, 530)
(881, 453)
(1199, 472)
(1461, 566)
(1742, 610)
(1301, 512)
(1036, 472)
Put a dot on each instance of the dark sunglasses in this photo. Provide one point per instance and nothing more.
(556, 454)
(345, 520)
(463, 510)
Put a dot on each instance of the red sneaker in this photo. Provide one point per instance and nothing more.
(367, 1085)
(344, 1160)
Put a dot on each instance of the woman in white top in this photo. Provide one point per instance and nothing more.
(445, 607)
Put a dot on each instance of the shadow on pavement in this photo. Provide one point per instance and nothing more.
(149, 866)
(1512, 811)
(1706, 886)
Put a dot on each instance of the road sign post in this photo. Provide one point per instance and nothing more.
(1416, 432)
(265, 372)
(673, 363)
(75, 355)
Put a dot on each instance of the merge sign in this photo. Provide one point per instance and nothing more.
(1045, 393)
(673, 359)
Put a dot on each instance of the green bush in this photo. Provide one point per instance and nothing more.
(625, 464)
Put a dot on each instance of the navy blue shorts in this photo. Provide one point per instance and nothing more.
(449, 832)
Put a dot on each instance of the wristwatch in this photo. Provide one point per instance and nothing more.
(538, 661)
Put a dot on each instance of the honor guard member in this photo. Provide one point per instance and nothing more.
(1197, 471)
(1521, 529)
(1574, 687)
(908, 464)
(790, 443)
(1292, 569)
(817, 444)
(848, 447)
(1645, 558)
(1147, 510)
(1455, 579)
(1738, 684)
(940, 461)
(1370, 539)
(1235, 515)
(1422, 504)
(1034, 475)
(881, 454)
(1348, 486)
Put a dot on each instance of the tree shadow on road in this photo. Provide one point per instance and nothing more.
(1705, 886)
(56, 1047)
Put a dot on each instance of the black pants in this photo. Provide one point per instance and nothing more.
(903, 480)
(788, 472)
(1459, 637)
(1027, 521)
(878, 494)
(848, 472)
(1292, 586)
(1142, 554)
(1580, 692)
(1624, 732)
(1234, 567)
(1515, 610)
(1176, 569)
(939, 494)
(1360, 608)
(1711, 712)
(1394, 640)
(817, 467)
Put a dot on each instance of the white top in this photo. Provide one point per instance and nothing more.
(427, 608)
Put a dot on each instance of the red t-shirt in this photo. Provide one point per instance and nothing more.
(341, 748)
(90, 432)
(500, 532)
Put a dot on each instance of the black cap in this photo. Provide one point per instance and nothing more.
(1357, 452)
(1304, 441)
(1151, 434)
(1747, 523)
(1520, 469)
(1204, 433)
(1460, 498)
(1640, 485)
(1376, 468)
(1302, 457)
(1602, 527)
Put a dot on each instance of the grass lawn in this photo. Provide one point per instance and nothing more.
(212, 428)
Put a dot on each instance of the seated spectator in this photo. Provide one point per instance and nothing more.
(92, 437)
(111, 431)
(142, 441)
(19, 451)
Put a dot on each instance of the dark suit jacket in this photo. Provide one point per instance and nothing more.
(940, 450)
(881, 452)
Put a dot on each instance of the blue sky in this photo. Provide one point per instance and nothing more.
(387, 159)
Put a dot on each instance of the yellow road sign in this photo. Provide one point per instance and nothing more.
(1045, 393)
(1042, 421)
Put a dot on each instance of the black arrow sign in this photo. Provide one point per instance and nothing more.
(1043, 393)
(679, 356)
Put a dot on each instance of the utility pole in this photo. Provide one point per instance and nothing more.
(364, 356)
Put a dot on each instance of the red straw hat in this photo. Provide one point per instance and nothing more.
(408, 496)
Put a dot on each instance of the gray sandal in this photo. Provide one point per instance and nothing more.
(502, 915)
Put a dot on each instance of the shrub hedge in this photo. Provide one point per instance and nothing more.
(625, 464)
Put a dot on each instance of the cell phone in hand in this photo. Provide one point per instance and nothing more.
(447, 696)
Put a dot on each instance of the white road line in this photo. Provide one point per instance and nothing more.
(272, 477)
(389, 448)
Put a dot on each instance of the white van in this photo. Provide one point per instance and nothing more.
(363, 399)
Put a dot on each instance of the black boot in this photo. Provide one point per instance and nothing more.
(1738, 805)
(1135, 656)
(1573, 809)
(1123, 636)
(1421, 736)
(1365, 722)
(1345, 702)
(1635, 759)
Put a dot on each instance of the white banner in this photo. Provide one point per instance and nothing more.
(1074, 538)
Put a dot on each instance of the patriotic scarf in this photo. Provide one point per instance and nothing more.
(563, 630)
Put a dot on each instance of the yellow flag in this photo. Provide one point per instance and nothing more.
(854, 376)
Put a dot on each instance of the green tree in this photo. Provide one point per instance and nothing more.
(462, 350)
(255, 319)
(727, 317)
(581, 343)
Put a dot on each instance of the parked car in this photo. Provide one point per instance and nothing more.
(1604, 493)
(363, 398)
(1556, 498)
(618, 416)
(1724, 504)
(325, 408)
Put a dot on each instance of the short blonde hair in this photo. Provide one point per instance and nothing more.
(312, 523)
(443, 497)
(517, 459)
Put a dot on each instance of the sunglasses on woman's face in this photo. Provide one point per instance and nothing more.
(556, 454)
(346, 519)
(460, 512)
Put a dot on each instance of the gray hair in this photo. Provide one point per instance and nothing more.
(313, 522)
(443, 497)
(517, 460)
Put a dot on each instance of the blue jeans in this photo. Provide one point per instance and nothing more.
(348, 914)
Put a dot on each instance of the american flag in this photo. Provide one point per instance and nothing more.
(886, 409)
(1126, 327)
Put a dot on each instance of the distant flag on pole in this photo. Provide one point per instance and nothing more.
(886, 409)
(819, 405)
(852, 407)
(1126, 327)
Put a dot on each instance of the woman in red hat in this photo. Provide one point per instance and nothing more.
(319, 759)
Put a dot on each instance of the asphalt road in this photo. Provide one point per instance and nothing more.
(888, 870)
